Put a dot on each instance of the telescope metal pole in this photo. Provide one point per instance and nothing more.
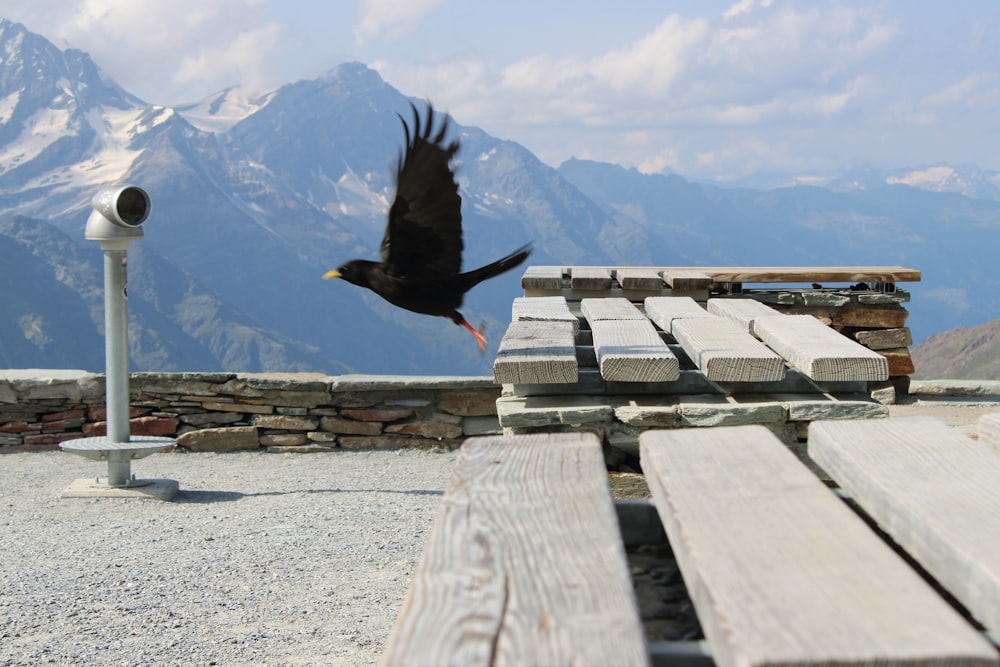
(116, 356)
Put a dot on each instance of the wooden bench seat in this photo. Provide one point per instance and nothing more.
(543, 309)
(741, 311)
(537, 352)
(687, 280)
(524, 565)
(664, 310)
(726, 353)
(591, 278)
(934, 490)
(542, 278)
(781, 571)
(723, 350)
(640, 280)
(627, 345)
(819, 351)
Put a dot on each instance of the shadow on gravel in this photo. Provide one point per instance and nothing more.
(205, 497)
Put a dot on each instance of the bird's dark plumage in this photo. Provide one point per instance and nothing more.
(421, 252)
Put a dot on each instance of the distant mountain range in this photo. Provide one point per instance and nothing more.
(255, 198)
(960, 354)
(968, 180)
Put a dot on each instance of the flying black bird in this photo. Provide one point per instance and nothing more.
(421, 267)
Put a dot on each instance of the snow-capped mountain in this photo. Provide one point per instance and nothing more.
(254, 198)
(219, 112)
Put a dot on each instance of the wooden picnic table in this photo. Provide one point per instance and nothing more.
(618, 350)
(725, 341)
(525, 564)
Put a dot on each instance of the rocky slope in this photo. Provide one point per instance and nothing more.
(965, 353)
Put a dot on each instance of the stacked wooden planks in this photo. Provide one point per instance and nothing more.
(868, 309)
(722, 350)
(726, 343)
(627, 346)
(692, 367)
(539, 345)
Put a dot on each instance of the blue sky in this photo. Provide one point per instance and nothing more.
(712, 90)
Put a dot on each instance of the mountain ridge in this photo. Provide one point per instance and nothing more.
(252, 206)
(965, 353)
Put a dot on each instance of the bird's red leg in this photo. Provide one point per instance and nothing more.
(479, 337)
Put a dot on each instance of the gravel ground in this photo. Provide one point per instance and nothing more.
(260, 559)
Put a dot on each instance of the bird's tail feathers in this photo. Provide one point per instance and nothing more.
(502, 265)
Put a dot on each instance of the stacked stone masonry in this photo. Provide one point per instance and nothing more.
(236, 411)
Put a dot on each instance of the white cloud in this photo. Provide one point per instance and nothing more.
(655, 63)
(975, 89)
(393, 16)
(744, 7)
(182, 45)
(241, 59)
(759, 64)
(818, 83)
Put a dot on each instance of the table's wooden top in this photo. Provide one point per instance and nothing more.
(647, 277)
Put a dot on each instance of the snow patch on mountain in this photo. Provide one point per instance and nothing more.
(38, 132)
(219, 112)
(932, 178)
(7, 106)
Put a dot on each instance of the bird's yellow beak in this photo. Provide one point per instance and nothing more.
(331, 274)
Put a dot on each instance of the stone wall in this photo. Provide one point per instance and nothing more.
(234, 411)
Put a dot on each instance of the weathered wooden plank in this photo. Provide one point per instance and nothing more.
(686, 279)
(701, 277)
(725, 352)
(781, 572)
(989, 430)
(632, 351)
(819, 351)
(646, 280)
(741, 311)
(812, 274)
(590, 278)
(524, 565)
(543, 309)
(542, 278)
(935, 491)
(611, 308)
(536, 352)
(663, 310)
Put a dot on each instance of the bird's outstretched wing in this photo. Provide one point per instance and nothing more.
(424, 231)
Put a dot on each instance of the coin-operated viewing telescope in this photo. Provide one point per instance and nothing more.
(118, 214)
(115, 221)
